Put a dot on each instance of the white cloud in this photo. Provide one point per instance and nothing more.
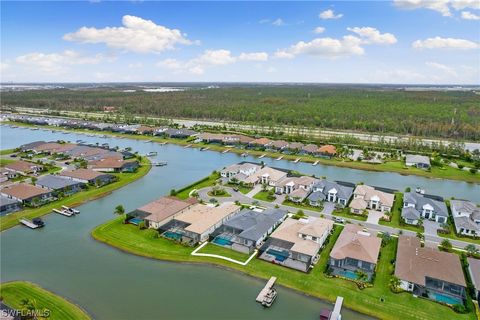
(467, 15)
(442, 6)
(253, 56)
(319, 30)
(324, 47)
(445, 69)
(329, 14)
(136, 65)
(57, 62)
(4, 66)
(371, 35)
(278, 22)
(136, 35)
(445, 43)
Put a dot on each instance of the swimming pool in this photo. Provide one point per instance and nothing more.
(222, 241)
(135, 221)
(348, 274)
(446, 299)
(172, 235)
(280, 256)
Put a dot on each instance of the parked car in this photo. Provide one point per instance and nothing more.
(339, 220)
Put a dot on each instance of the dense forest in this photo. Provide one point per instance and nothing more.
(450, 114)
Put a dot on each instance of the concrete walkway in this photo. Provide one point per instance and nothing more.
(374, 216)
(254, 191)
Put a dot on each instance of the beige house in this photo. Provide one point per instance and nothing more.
(266, 175)
(296, 243)
(366, 197)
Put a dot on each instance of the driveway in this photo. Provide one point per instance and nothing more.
(254, 191)
(374, 216)
(431, 227)
(328, 207)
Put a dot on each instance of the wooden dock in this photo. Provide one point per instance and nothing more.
(279, 158)
(205, 149)
(63, 212)
(265, 292)
(29, 224)
(336, 313)
(315, 163)
(262, 156)
(225, 151)
(187, 146)
(296, 160)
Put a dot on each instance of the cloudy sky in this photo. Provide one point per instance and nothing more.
(399, 41)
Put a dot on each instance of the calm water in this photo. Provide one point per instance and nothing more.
(112, 285)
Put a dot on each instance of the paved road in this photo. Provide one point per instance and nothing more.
(432, 239)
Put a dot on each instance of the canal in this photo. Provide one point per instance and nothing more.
(110, 284)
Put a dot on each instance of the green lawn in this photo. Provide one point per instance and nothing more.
(264, 196)
(346, 213)
(225, 252)
(4, 162)
(6, 151)
(11, 220)
(390, 166)
(225, 194)
(301, 206)
(203, 183)
(13, 293)
(396, 219)
(395, 306)
(240, 188)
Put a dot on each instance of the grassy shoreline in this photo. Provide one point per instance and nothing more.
(60, 308)
(77, 199)
(130, 239)
(396, 167)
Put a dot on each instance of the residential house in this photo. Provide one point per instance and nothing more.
(260, 143)
(296, 188)
(31, 146)
(179, 133)
(54, 147)
(414, 160)
(88, 176)
(309, 149)
(296, 243)
(240, 170)
(113, 165)
(145, 130)
(329, 191)
(355, 251)
(265, 175)
(417, 206)
(466, 216)
(474, 271)
(208, 137)
(23, 167)
(278, 145)
(248, 229)
(367, 197)
(197, 222)
(27, 194)
(294, 147)
(8, 205)
(428, 272)
(327, 151)
(59, 184)
(159, 212)
(5, 174)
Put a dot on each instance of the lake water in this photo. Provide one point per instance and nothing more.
(110, 284)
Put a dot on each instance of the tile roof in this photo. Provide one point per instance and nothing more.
(22, 166)
(55, 182)
(368, 192)
(202, 217)
(329, 149)
(420, 200)
(23, 191)
(83, 174)
(474, 268)
(356, 244)
(165, 207)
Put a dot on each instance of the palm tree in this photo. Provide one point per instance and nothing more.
(119, 210)
(446, 244)
(471, 249)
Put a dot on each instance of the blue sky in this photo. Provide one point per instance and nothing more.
(398, 41)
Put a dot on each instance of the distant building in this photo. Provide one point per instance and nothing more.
(413, 160)
(88, 176)
(23, 167)
(8, 205)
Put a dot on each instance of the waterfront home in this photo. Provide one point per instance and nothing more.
(8, 205)
(145, 130)
(288, 184)
(367, 197)
(113, 164)
(179, 133)
(23, 167)
(327, 151)
(296, 243)
(159, 212)
(59, 184)
(329, 191)
(309, 149)
(355, 253)
(278, 145)
(248, 229)
(240, 170)
(53, 147)
(414, 160)
(27, 194)
(418, 206)
(31, 146)
(474, 271)
(88, 176)
(208, 137)
(428, 272)
(294, 147)
(260, 142)
(231, 139)
(466, 216)
(197, 222)
(266, 175)
(84, 152)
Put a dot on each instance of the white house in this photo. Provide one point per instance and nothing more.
(466, 216)
(367, 197)
(417, 206)
(414, 160)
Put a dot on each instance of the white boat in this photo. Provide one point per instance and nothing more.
(152, 154)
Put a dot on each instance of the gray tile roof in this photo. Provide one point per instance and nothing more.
(415, 158)
(410, 213)
(420, 200)
(56, 182)
(255, 224)
(6, 201)
(343, 192)
(466, 223)
(316, 196)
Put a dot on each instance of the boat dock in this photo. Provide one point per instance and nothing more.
(336, 315)
(64, 212)
(279, 158)
(71, 209)
(225, 151)
(159, 164)
(187, 146)
(262, 156)
(268, 294)
(162, 143)
(245, 154)
(296, 160)
(315, 163)
(29, 224)
(205, 149)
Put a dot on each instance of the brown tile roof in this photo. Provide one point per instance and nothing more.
(84, 174)
(368, 193)
(22, 166)
(329, 149)
(54, 147)
(24, 191)
(202, 217)
(356, 244)
(165, 207)
(279, 143)
(110, 162)
(474, 267)
(414, 263)
(261, 142)
(310, 148)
